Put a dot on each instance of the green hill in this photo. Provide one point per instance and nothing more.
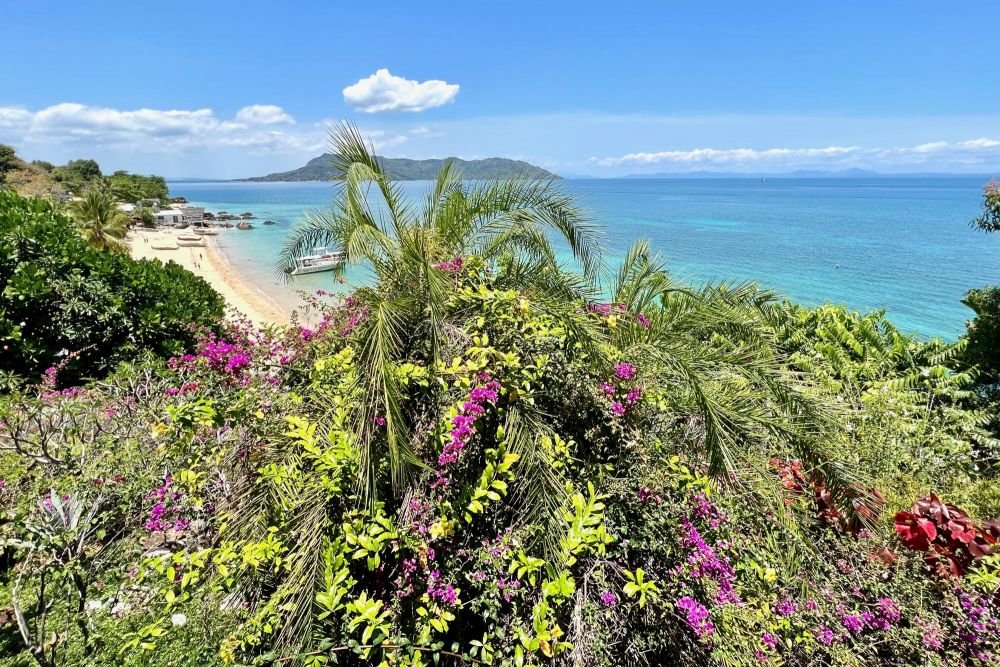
(402, 169)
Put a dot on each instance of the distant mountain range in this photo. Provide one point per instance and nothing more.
(402, 169)
(801, 173)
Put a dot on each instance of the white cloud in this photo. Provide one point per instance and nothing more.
(13, 116)
(263, 114)
(383, 91)
(970, 152)
(159, 130)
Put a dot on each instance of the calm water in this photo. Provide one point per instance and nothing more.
(899, 244)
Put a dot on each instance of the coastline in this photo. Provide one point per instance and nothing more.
(209, 262)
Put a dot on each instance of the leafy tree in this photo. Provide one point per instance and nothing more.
(989, 220)
(87, 170)
(100, 222)
(145, 216)
(8, 160)
(135, 187)
(64, 304)
(76, 175)
(983, 332)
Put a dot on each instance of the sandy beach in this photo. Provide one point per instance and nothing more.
(210, 263)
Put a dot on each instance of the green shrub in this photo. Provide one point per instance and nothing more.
(65, 305)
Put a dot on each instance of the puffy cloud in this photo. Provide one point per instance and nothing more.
(969, 152)
(383, 91)
(263, 114)
(160, 130)
(13, 116)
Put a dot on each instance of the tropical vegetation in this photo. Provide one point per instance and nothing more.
(486, 456)
(66, 305)
(44, 179)
(102, 225)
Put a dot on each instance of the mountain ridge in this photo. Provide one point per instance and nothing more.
(404, 169)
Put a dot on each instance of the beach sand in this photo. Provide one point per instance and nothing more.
(211, 264)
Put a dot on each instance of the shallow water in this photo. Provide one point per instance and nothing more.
(899, 244)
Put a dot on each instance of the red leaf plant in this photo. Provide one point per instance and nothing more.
(950, 539)
(847, 509)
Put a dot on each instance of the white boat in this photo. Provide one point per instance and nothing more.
(205, 231)
(200, 243)
(321, 260)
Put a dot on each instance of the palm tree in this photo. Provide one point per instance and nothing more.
(715, 348)
(100, 222)
(410, 250)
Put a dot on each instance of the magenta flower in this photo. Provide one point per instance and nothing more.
(853, 623)
(463, 424)
(609, 599)
(825, 635)
(890, 610)
(633, 396)
(625, 371)
(785, 607)
(617, 409)
(643, 320)
(607, 388)
(769, 640)
(697, 617)
(439, 591)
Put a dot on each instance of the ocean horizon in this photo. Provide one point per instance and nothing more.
(899, 244)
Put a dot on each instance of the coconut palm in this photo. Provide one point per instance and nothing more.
(100, 222)
(410, 250)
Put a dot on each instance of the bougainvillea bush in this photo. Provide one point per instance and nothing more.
(480, 458)
(212, 510)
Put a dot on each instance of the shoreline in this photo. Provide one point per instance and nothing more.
(210, 263)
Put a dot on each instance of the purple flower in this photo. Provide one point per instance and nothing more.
(643, 320)
(633, 396)
(441, 592)
(825, 635)
(890, 610)
(454, 266)
(609, 599)
(853, 623)
(785, 607)
(617, 409)
(704, 561)
(769, 640)
(932, 636)
(607, 388)
(697, 617)
(625, 371)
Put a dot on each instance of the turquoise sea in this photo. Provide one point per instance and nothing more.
(900, 244)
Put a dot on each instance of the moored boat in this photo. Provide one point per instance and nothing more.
(322, 259)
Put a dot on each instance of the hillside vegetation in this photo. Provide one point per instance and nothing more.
(324, 168)
(44, 179)
(485, 458)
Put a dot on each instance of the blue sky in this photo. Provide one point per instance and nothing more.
(229, 89)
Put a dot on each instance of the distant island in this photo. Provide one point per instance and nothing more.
(401, 169)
